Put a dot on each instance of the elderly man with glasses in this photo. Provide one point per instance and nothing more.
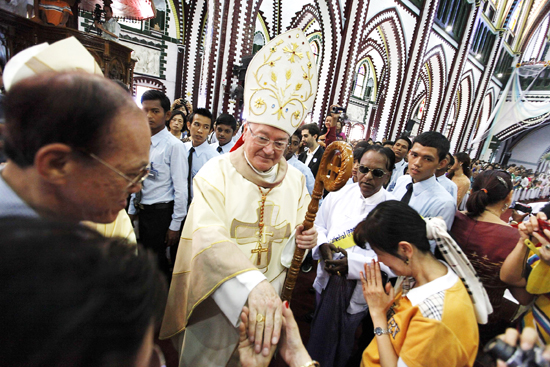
(245, 219)
(81, 149)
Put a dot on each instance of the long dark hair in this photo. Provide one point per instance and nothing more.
(463, 158)
(390, 223)
(488, 188)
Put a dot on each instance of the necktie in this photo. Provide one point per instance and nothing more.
(219, 149)
(190, 176)
(407, 197)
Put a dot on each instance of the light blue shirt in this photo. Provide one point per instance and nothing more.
(398, 171)
(167, 180)
(429, 198)
(202, 154)
(300, 166)
(11, 204)
(225, 148)
(449, 185)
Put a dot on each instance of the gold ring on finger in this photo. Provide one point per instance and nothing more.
(260, 318)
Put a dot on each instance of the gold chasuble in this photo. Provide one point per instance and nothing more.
(237, 222)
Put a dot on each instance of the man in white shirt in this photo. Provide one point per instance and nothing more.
(290, 156)
(198, 150)
(162, 203)
(441, 177)
(401, 148)
(341, 307)
(311, 157)
(225, 129)
(419, 188)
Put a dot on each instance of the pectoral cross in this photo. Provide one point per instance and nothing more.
(259, 251)
(263, 232)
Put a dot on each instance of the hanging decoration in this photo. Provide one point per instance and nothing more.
(517, 112)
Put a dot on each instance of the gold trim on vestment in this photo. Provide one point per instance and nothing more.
(214, 187)
(205, 297)
(208, 247)
(212, 225)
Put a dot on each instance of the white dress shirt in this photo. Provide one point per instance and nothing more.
(167, 180)
(309, 155)
(202, 154)
(398, 171)
(300, 166)
(429, 198)
(341, 212)
(449, 185)
(225, 148)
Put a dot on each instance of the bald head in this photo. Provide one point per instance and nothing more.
(76, 109)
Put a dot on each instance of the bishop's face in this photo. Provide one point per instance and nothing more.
(261, 157)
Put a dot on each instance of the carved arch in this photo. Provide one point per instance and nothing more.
(389, 27)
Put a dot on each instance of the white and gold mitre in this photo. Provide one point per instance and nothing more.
(281, 82)
(64, 55)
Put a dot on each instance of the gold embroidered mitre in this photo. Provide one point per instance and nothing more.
(64, 55)
(281, 82)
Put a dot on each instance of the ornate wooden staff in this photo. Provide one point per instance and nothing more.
(334, 172)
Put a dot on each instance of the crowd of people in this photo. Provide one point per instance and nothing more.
(414, 253)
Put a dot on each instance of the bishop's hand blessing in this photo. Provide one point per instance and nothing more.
(265, 317)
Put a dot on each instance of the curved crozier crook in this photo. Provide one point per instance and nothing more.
(334, 171)
(335, 166)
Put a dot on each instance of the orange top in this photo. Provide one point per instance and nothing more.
(440, 331)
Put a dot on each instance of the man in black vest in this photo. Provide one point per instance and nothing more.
(311, 157)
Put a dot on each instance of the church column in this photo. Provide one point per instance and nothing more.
(210, 57)
(331, 25)
(192, 60)
(223, 86)
(277, 17)
(481, 91)
(239, 29)
(415, 62)
(457, 67)
(356, 14)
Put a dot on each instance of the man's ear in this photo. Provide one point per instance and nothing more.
(167, 115)
(443, 163)
(53, 162)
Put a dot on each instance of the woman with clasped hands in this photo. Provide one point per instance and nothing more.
(431, 321)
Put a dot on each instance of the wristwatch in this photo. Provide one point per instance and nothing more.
(379, 331)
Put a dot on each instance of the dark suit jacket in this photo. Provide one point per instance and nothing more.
(315, 161)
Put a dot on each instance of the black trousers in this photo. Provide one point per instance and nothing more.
(153, 225)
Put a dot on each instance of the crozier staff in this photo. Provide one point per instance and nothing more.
(238, 238)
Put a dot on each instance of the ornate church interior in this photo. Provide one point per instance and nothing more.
(476, 71)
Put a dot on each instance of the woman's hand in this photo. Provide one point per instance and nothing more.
(378, 299)
(247, 355)
(291, 346)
